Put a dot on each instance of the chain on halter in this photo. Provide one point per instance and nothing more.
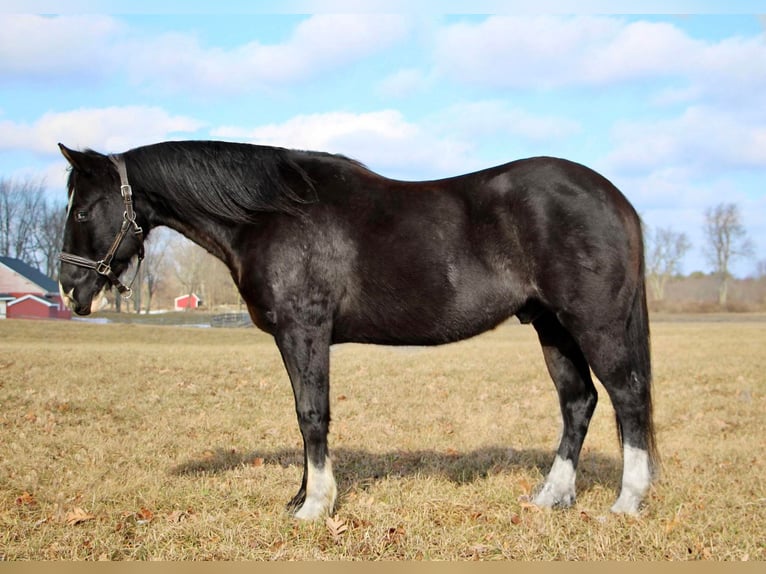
(104, 266)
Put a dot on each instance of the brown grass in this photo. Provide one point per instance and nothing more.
(124, 442)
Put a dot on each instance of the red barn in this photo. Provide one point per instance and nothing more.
(27, 293)
(187, 302)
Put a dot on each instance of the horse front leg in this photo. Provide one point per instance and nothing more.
(305, 351)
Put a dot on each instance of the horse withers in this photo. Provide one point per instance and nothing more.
(325, 251)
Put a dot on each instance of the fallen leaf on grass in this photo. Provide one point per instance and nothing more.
(180, 515)
(360, 523)
(144, 516)
(257, 461)
(394, 535)
(530, 506)
(336, 526)
(26, 499)
(674, 522)
(526, 487)
(476, 552)
(77, 516)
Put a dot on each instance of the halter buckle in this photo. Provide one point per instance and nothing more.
(103, 268)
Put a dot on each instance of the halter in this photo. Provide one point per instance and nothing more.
(104, 266)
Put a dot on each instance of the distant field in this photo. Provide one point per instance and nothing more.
(128, 441)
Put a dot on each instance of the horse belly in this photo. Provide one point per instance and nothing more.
(482, 301)
(426, 311)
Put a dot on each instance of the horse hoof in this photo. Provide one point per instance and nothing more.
(628, 505)
(549, 497)
(311, 510)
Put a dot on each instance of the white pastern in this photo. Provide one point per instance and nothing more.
(320, 492)
(559, 486)
(636, 479)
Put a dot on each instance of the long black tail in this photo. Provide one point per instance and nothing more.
(638, 339)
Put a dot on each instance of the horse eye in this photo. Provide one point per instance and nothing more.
(81, 216)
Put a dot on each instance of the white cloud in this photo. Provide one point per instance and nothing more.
(48, 48)
(555, 52)
(41, 47)
(403, 83)
(441, 145)
(384, 140)
(506, 51)
(318, 44)
(479, 119)
(104, 129)
(323, 131)
(702, 138)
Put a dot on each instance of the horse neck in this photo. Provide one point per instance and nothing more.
(213, 236)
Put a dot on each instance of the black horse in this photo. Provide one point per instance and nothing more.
(325, 251)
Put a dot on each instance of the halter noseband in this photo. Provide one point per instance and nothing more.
(104, 266)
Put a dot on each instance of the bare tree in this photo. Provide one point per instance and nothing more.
(20, 207)
(218, 286)
(666, 250)
(50, 231)
(727, 241)
(155, 264)
(189, 262)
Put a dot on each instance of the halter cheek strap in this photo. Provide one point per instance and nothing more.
(104, 266)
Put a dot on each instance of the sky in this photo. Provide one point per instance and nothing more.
(669, 105)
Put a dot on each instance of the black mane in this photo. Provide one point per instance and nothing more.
(230, 181)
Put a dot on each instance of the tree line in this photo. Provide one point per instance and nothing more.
(726, 241)
(31, 228)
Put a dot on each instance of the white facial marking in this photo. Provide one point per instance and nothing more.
(320, 492)
(99, 303)
(636, 479)
(69, 204)
(559, 486)
(66, 298)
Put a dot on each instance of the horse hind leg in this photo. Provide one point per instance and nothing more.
(577, 397)
(621, 363)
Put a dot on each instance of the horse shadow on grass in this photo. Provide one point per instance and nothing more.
(357, 469)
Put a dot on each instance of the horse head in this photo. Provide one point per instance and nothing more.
(101, 234)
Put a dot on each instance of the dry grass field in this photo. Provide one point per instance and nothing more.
(135, 442)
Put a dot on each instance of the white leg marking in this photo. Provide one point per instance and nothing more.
(320, 492)
(559, 486)
(636, 479)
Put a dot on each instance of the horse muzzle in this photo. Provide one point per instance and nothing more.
(78, 298)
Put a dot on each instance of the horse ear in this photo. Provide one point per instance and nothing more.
(71, 156)
(80, 161)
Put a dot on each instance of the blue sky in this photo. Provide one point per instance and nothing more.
(670, 107)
